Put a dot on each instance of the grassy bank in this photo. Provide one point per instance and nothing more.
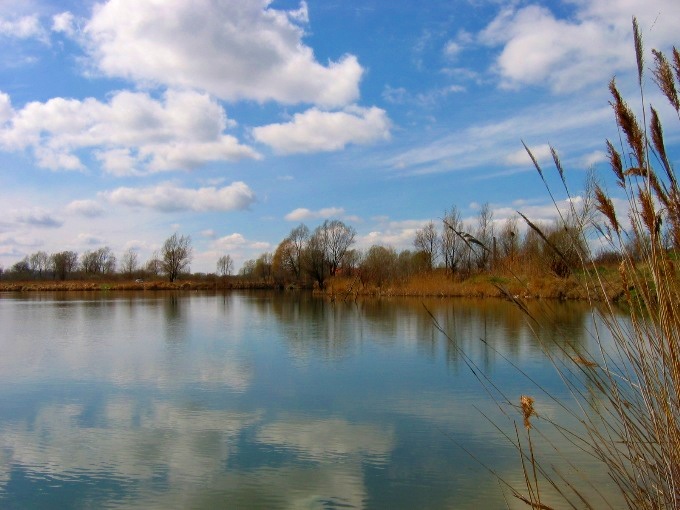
(433, 284)
(130, 285)
(486, 285)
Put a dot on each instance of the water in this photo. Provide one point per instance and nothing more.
(264, 400)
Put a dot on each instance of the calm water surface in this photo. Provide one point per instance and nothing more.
(263, 400)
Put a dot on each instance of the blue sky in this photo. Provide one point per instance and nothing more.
(232, 121)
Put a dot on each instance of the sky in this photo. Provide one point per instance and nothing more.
(233, 121)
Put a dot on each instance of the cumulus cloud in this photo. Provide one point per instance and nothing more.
(131, 133)
(567, 54)
(302, 214)
(316, 130)
(87, 208)
(248, 50)
(170, 198)
(231, 241)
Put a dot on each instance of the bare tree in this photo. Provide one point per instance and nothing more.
(292, 251)
(177, 253)
(154, 264)
(339, 237)
(39, 262)
(22, 268)
(63, 263)
(452, 246)
(99, 261)
(129, 262)
(508, 239)
(225, 265)
(427, 241)
(485, 235)
(315, 262)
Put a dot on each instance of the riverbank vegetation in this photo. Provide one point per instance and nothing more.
(626, 392)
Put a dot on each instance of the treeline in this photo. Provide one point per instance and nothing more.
(450, 246)
(171, 261)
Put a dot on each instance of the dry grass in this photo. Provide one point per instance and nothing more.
(633, 426)
(126, 285)
(534, 285)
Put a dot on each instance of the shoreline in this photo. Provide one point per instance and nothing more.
(350, 288)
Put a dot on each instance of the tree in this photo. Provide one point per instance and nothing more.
(508, 239)
(225, 265)
(379, 265)
(176, 255)
(154, 264)
(22, 268)
(314, 257)
(99, 261)
(63, 263)
(427, 241)
(291, 254)
(129, 262)
(263, 267)
(451, 245)
(339, 237)
(39, 262)
(485, 235)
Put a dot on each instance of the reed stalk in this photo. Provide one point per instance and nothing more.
(633, 426)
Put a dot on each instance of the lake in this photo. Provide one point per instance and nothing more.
(269, 400)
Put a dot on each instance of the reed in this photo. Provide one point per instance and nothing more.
(633, 427)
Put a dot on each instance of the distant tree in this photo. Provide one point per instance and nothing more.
(338, 238)
(99, 261)
(39, 262)
(451, 245)
(247, 269)
(154, 265)
(63, 263)
(427, 241)
(263, 267)
(509, 239)
(129, 262)
(379, 265)
(351, 261)
(315, 262)
(485, 235)
(176, 255)
(22, 268)
(291, 255)
(225, 265)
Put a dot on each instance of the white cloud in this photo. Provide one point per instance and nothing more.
(230, 48)
(167, 197)
(316, 130)
(26, 27)
(452, 49)
(87, 208)
(397, 234)
(132, 133)
(63, 23)
(567, 54)
(594, 158)
(302, 214)
(238, 247)
(521, 157)
(90, 239)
